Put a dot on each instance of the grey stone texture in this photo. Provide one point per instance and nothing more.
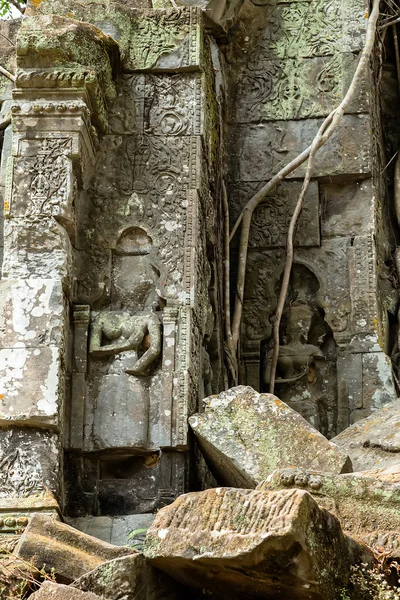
(52, 591)
(110, 196)
(244, 436)
(124, 119)
(289, 64)
(366, 503)
(373, 442)
(128, 530)
(253, 544)
(65, 551)
(129, 578)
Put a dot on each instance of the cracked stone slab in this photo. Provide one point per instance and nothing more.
(245, 436)
(63, 549)
(253, 544)
(373, 442)
(56, 591)
(367, 507)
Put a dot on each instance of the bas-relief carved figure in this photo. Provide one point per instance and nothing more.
(126, 330)
(130, 447)
(306, 370)
(126, 340)
(295, 355)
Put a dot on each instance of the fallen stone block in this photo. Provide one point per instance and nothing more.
(254, 544)
(244, 436)
(364, 506)
(390, 474)
(373, 442)
(65, 551)
(129, 578)
(55, 591)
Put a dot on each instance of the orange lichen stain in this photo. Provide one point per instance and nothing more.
(366, 15)
(1, 396)
(36, 3)
(6, 207)
(151, 461)
(278, 402)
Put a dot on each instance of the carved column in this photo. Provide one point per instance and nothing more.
(52, 153)
(145, 233)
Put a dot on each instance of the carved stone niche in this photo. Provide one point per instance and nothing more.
(121, 407)
(125, 379)
(306, 371)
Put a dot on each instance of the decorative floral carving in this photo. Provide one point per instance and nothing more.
(20, 474)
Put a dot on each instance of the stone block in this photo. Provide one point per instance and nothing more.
(244, 436)
(269, 89)
(32, 312)
(30, 462)
(347, 210)
(118, 531)
(364, 503)
(15, 514)
(250, 544)
(9, 30)
(349, 381)
(362, 279)
(56, 591)
(41, 180)
(177, 31)
(63, 549)
(271, 219)
(45, 41)
(260, 151)
(160, 104)
(377, 382)
(129, 578)
(373, 442)
(31, 386)
(38, 248)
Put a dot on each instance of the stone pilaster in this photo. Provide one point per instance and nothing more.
(64, 80)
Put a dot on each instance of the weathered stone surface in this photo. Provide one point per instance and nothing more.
(31, 386)
(49, 40)
(55, 591)
(36, 248)
(262, 150)
(30, 462)
(364, 504)
(129, 578)
(389, 474)
(271, 219)
(16, 512)
(347, 210)
(178, 32)
(8, 30)
(63, 549)
(31, 312)
(244, 436)
(373, 442)
(250, 544)
(126, 530)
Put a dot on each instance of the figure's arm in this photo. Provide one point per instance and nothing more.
(154, 349)
(96, 331)
(95, 347)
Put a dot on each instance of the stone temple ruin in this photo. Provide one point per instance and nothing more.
(133, 134)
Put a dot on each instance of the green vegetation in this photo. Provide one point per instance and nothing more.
(6, 8)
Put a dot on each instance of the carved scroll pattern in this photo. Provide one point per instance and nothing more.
(20, 474)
